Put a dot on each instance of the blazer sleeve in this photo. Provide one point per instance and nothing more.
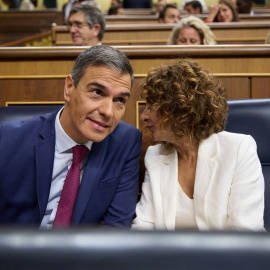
(145, 209)
(246, 199)
(122, 207)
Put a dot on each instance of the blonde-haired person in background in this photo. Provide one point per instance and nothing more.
(191, 31)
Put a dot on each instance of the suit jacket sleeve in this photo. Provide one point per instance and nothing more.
(246, 200)
(122, 207)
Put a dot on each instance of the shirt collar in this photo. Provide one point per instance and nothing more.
(63, 141)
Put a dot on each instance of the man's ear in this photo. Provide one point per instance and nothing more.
(97, 28)
(69, 85)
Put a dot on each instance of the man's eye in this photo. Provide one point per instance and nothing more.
(122, 100)
(97, 92)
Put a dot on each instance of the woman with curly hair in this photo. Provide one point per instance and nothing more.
(198, 176)
(191, 31)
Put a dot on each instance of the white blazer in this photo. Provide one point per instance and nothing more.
(228, 191)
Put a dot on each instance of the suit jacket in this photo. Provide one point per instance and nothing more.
(109, 187)
(228, 191)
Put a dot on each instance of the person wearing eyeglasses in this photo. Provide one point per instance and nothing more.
(86, 25)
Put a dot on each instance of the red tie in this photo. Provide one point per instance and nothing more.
(70, 189)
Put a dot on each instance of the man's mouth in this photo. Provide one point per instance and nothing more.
(100, 124)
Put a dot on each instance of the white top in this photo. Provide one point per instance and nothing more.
(185, 215)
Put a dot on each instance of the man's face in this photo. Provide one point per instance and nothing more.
(80, 31)
(114, 3)
(190, 10)
(94, 108)
(243, 6)
(172, 15)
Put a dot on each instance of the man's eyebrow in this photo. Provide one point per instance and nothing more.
(99, 85)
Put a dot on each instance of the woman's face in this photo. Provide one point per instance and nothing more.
(153, 120)
(188, 36)
(225, 14)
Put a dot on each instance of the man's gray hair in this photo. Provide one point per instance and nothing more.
(92, 15)
(101, 55)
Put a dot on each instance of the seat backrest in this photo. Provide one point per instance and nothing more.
(252, 116)
(23, 112)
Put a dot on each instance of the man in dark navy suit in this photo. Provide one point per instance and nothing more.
(36, 154)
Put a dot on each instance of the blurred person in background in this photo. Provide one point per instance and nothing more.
(116, 10)
(222, 11)
(202, 2)
(193, 7)
(244, 6)
(169, 14)
(86, 25)
(191, 31)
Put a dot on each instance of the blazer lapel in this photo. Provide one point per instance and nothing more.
(90, 178)
(168, 185)
(44, 151)
(205, 167)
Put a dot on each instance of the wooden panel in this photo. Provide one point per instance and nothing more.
(260, 87)
(29, 90)
(17, 24)
(237, 87)
(37, 74)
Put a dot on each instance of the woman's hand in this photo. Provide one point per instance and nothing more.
(213, 11)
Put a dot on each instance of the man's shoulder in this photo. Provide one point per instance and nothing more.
(30, 126)
(125, 132)
(125, 127)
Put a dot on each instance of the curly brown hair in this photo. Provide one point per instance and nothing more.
(190, 100)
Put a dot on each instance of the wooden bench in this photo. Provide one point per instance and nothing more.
(153, 19)
(17, 24)
(157, 34)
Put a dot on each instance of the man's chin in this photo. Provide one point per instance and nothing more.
(77, 42)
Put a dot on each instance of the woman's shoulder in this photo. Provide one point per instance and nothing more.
(235, 139)
(225, 135)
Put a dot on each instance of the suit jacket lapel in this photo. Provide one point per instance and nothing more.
(168, 185)
(44, 151)
(205, 166)
(90, 178)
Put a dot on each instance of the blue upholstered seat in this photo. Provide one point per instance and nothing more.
(23, 112)
(252, 116)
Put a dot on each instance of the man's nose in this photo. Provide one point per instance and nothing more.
(106, 108)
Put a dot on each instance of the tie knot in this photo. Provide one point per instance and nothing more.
(78, 153)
